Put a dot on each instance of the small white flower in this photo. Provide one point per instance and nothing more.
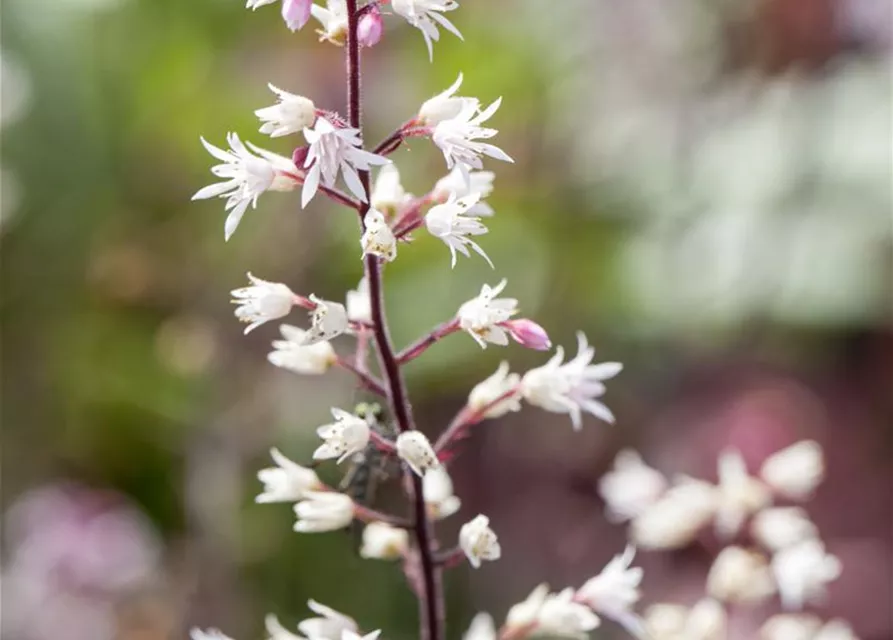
(677, 517)
(781, 527)
(454, 183)
(331, 151)
(246, 176)
(262, 301)
(444, 106)
(478, 541)
(787, 626)
(481, 316)
(522, 617)
(796, 471)
(740, 494)
(359, 304)
(343, 438)
(290, 115)
(276, 631)
(327, 320)
(740, 576)
(378, 239)
(615, 591)
(424, 16)
(561, 616)
(449, 222)
(323, 511)
(415, 450)
(294, 354)
(802, 571)
(437, 487)
(208, 634)
(286, 482)
(388, 195)
(329, 626)
(481, 628)
(630, 487)
(458, 137)
(333, 18)
(350, 635)
(381, 541)
(571, 387)
(501, 383)
(704, 621)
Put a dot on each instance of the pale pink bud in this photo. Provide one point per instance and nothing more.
(296, 13)
(529, 334)
(370, 27)
(299, 155)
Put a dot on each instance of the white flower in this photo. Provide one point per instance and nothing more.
(704, 621)
(444, 106)
(437, 487)
(378, 239)
(501, 384)
(381, 541)
(423, 14)
(333, 18)
(350, 635)
(449, 222)
(328, 319)
(388, 195)
(262, 301)
(245, 177)
(331, 151)
(802, 571)
(208, 634)
(415, 450)
(294, 12)
(329, 626)
(781, 527)
(740, 495)
(290, 115)
(740, 576)
(561, 616)
(295, 355)
(276, 631)
(836, 630)
(478, 541)
(788, 626)
(481, 628)
(481, 316)
(457, 137)
(796, 471)
(455, 183)
(630, 487)
(571, 387)
(286, 482)
(323, 511)
(522, 617)
(359, 304)
(615, 591)
(677, 517)
(343, 438)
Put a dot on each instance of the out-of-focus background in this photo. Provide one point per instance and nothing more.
(703, 187)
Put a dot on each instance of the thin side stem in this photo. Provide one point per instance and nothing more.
(421, 345)
(467, 417)
(431, 596)
(367, 380)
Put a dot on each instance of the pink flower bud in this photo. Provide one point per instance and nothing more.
(299, 156)
(370, 27)
(296, 13)
(529, 334)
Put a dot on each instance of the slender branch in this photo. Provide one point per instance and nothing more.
(390, 144)
(367, 380)
(367, 515)
(467, 417)
(451, 558)
(340, 197)
(421, 345)
(431, 596)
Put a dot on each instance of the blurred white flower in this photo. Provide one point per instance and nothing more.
(437, 487)
(275, 630)
(286, 482)
(795, 472)
(208, 634)
(451, 223)
(478, 541)
(330, 625)
(381, 541)
(333, 19)
(706, 620)
(481, 628)
(630, 487)
(415, 450)
(481, 316)
(740, 576)
(677, 517)
(292, 114)
(802, 571)
(836, 630)
(804, 626)
(425, 15)
(388, 195)
(487, 392)
(246, 176)
(615, 591)
(358, 303)
(571, 387)
(781, 527)
(262, 301)
(522, 617)
(321, 511)
(561, 616)
(343, 438)
(378, 239)
(293, 353)
(740, 494)
(454, 183)
(457, 138)
(327, 320)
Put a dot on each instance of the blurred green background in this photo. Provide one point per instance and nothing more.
(703, 187)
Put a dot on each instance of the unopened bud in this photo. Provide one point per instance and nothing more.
(529, 334)
(370, 28)
(296, 13)
(299, 156)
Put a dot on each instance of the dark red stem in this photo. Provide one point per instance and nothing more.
(421, 345)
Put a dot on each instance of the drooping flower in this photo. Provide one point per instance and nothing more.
(615, 591)
(782, 527)
(388, 194)
(740, 494)
(262, 301)
(561, 616)
(292, 114)
(630, 487)
(482, 316)
(330, 625)
(455, 183)
(296, 13)
(521, 618)
(740, 576)
(481, 628)
(381, 541)
(378, 239)
(333, 19)
(802, 571)
(478, 541)
(796, 471)
(415, 450)
(440, 499)
(487, 393)
(343, 438)
(323, 511)
(327, 320)
(571, 387)
(451, 223)
(286, 482)
(358, 303)
(458, 137)
(246, 176)
(293, 353)
(677, 517)
(332, 151)
(370, 27)
(444, 106)
(425, 15)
